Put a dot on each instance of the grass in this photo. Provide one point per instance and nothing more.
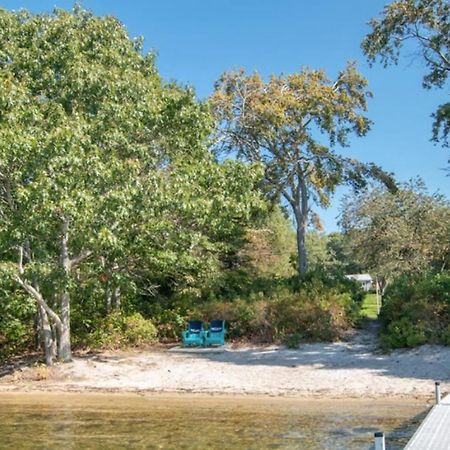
(369, 306)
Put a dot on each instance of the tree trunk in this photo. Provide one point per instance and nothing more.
(302, 264)
(64, 348)
(382, 285)
(34, 292)
(117, 294)
(37, 330)
(108, 297)
(301, 211)
(46, 335)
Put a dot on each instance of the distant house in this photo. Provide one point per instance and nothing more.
(364, 279)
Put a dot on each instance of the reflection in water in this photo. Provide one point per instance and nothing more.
(102, 421)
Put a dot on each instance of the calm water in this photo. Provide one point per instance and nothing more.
(103, 421)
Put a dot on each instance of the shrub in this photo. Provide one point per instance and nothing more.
(137, 330)
(244, 319)
(416, 311)
(118, 330)
(315, 315)
(446, 336)
(170, 323)
(293, 340)
(403, 333)
(312, 309)
(17, 314)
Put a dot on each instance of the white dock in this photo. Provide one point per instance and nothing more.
(434, 432)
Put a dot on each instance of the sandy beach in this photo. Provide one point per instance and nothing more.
(352, 369)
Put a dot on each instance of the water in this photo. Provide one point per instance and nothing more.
(104, 421)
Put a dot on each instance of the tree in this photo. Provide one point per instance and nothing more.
(278, 124)
(330, 252)
(426, 23)
(270, 246)
(106, 183)
(78, 107)
(339, 247)
(398, 233)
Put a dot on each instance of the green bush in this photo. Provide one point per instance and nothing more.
(416, 311)
(403, 333)
(118, 330)
(446, 336)
(17, 312)
(138, 331)
(293, 340)
(170, 323)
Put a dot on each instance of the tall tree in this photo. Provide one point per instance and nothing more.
(426, 24)
(104, 170)
(279, 124)
(399, 233)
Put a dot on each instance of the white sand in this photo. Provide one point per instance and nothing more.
(344, 369)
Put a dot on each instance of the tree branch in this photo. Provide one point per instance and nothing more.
(84, 254)
(40, 300)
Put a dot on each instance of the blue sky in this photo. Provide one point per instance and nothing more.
(196, 40)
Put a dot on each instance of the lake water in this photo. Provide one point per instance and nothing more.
(104, 421)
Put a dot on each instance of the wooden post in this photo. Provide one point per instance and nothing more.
(437, 391)
(377, 295)
(379, 441)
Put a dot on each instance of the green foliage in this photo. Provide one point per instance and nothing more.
(17, 314)
(170, 323)
(278, 123)
(293, 340)
(425, 23)
(118, 330)
(269, 247)
(330, 252)
(402, 232)
(107, 187)
(317, 308)
(416, 310)
(403, 333)
(446, 336)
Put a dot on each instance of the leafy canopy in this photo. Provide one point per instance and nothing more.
(425, 24)
(399, 233)
(291, 125)
(94, 142)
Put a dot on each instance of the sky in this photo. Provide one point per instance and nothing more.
(197, 40)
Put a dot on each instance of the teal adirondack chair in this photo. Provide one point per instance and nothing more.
(195, 334)
(215, 335)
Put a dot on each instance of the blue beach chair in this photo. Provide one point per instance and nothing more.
(216, 333)
(194, 335)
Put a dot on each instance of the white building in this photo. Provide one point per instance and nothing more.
(364, 279)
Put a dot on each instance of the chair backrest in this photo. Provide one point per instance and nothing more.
(195, 326)
(216, 326)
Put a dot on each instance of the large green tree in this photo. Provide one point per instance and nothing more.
(281, 123)
(104, 172)
(405, 232)
(426, 25)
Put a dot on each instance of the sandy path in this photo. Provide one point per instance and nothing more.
(343, 369)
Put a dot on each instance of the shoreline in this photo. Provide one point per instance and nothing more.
(45, 395)
(339, 370)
